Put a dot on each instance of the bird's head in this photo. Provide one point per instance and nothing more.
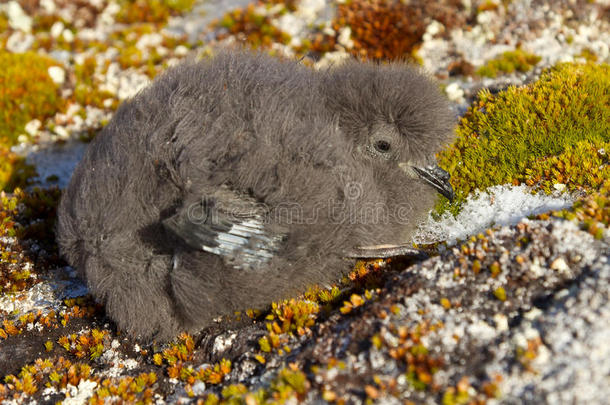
(395, 117)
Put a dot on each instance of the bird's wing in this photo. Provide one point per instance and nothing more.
(229, 225)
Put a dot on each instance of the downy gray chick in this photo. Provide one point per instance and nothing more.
(238, 180)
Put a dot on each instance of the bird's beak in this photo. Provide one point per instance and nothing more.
(437, 178)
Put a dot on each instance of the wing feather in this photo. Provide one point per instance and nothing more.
(229, 225)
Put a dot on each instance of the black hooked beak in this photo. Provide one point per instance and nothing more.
(437, 178)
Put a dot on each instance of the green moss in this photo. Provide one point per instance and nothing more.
(582, 166)
(500, 293)
(153, 11)
(3, 22)
(26, 92)
(553, 131)
(588, 55)
(508, 62)
(289, 384)
(57, 373)
(592, 211)
(451, 397)
(14, 171)
(251, 28)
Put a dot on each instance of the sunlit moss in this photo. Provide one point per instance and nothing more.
(487, 5)
(592, 211)
(3, 23)
(153, 11)
(129, 389)
(26, 92)
(178, 358)
(289, 4)
(289, 384)
(47, 373)
(554, 131)
(509, 62)
(588, 55)
(14, 170)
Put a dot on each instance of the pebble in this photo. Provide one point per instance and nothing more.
(560, 264)
(181, 50)
(62, 56)
(67, 35)
(58, 75)
(62, 132)
(345, 37)
(48, 6)
(80, 394)
(199, 388)
(455, 92)
(32, 127)
(17, 18)
(149, 41)
(19, 42)
(56, 29)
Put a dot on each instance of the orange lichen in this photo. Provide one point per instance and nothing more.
(391, 29)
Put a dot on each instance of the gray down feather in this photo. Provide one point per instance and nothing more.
(242, 179)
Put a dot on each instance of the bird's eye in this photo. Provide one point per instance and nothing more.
(382, 146)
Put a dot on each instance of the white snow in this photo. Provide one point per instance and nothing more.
(498, 205)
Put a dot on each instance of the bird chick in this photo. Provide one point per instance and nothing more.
(238, 180)
(397, 120)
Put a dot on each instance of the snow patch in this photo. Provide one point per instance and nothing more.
(497, 206)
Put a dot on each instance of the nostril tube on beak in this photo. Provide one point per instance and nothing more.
(437, 178)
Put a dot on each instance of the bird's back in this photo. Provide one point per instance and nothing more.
(240, 119)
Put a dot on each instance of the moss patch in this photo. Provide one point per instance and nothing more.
(155, 11)
(26, 92)
(289, 384)
(26, 216)
(509, 62)
(14, 171)
(251, 28)
(554, 131)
